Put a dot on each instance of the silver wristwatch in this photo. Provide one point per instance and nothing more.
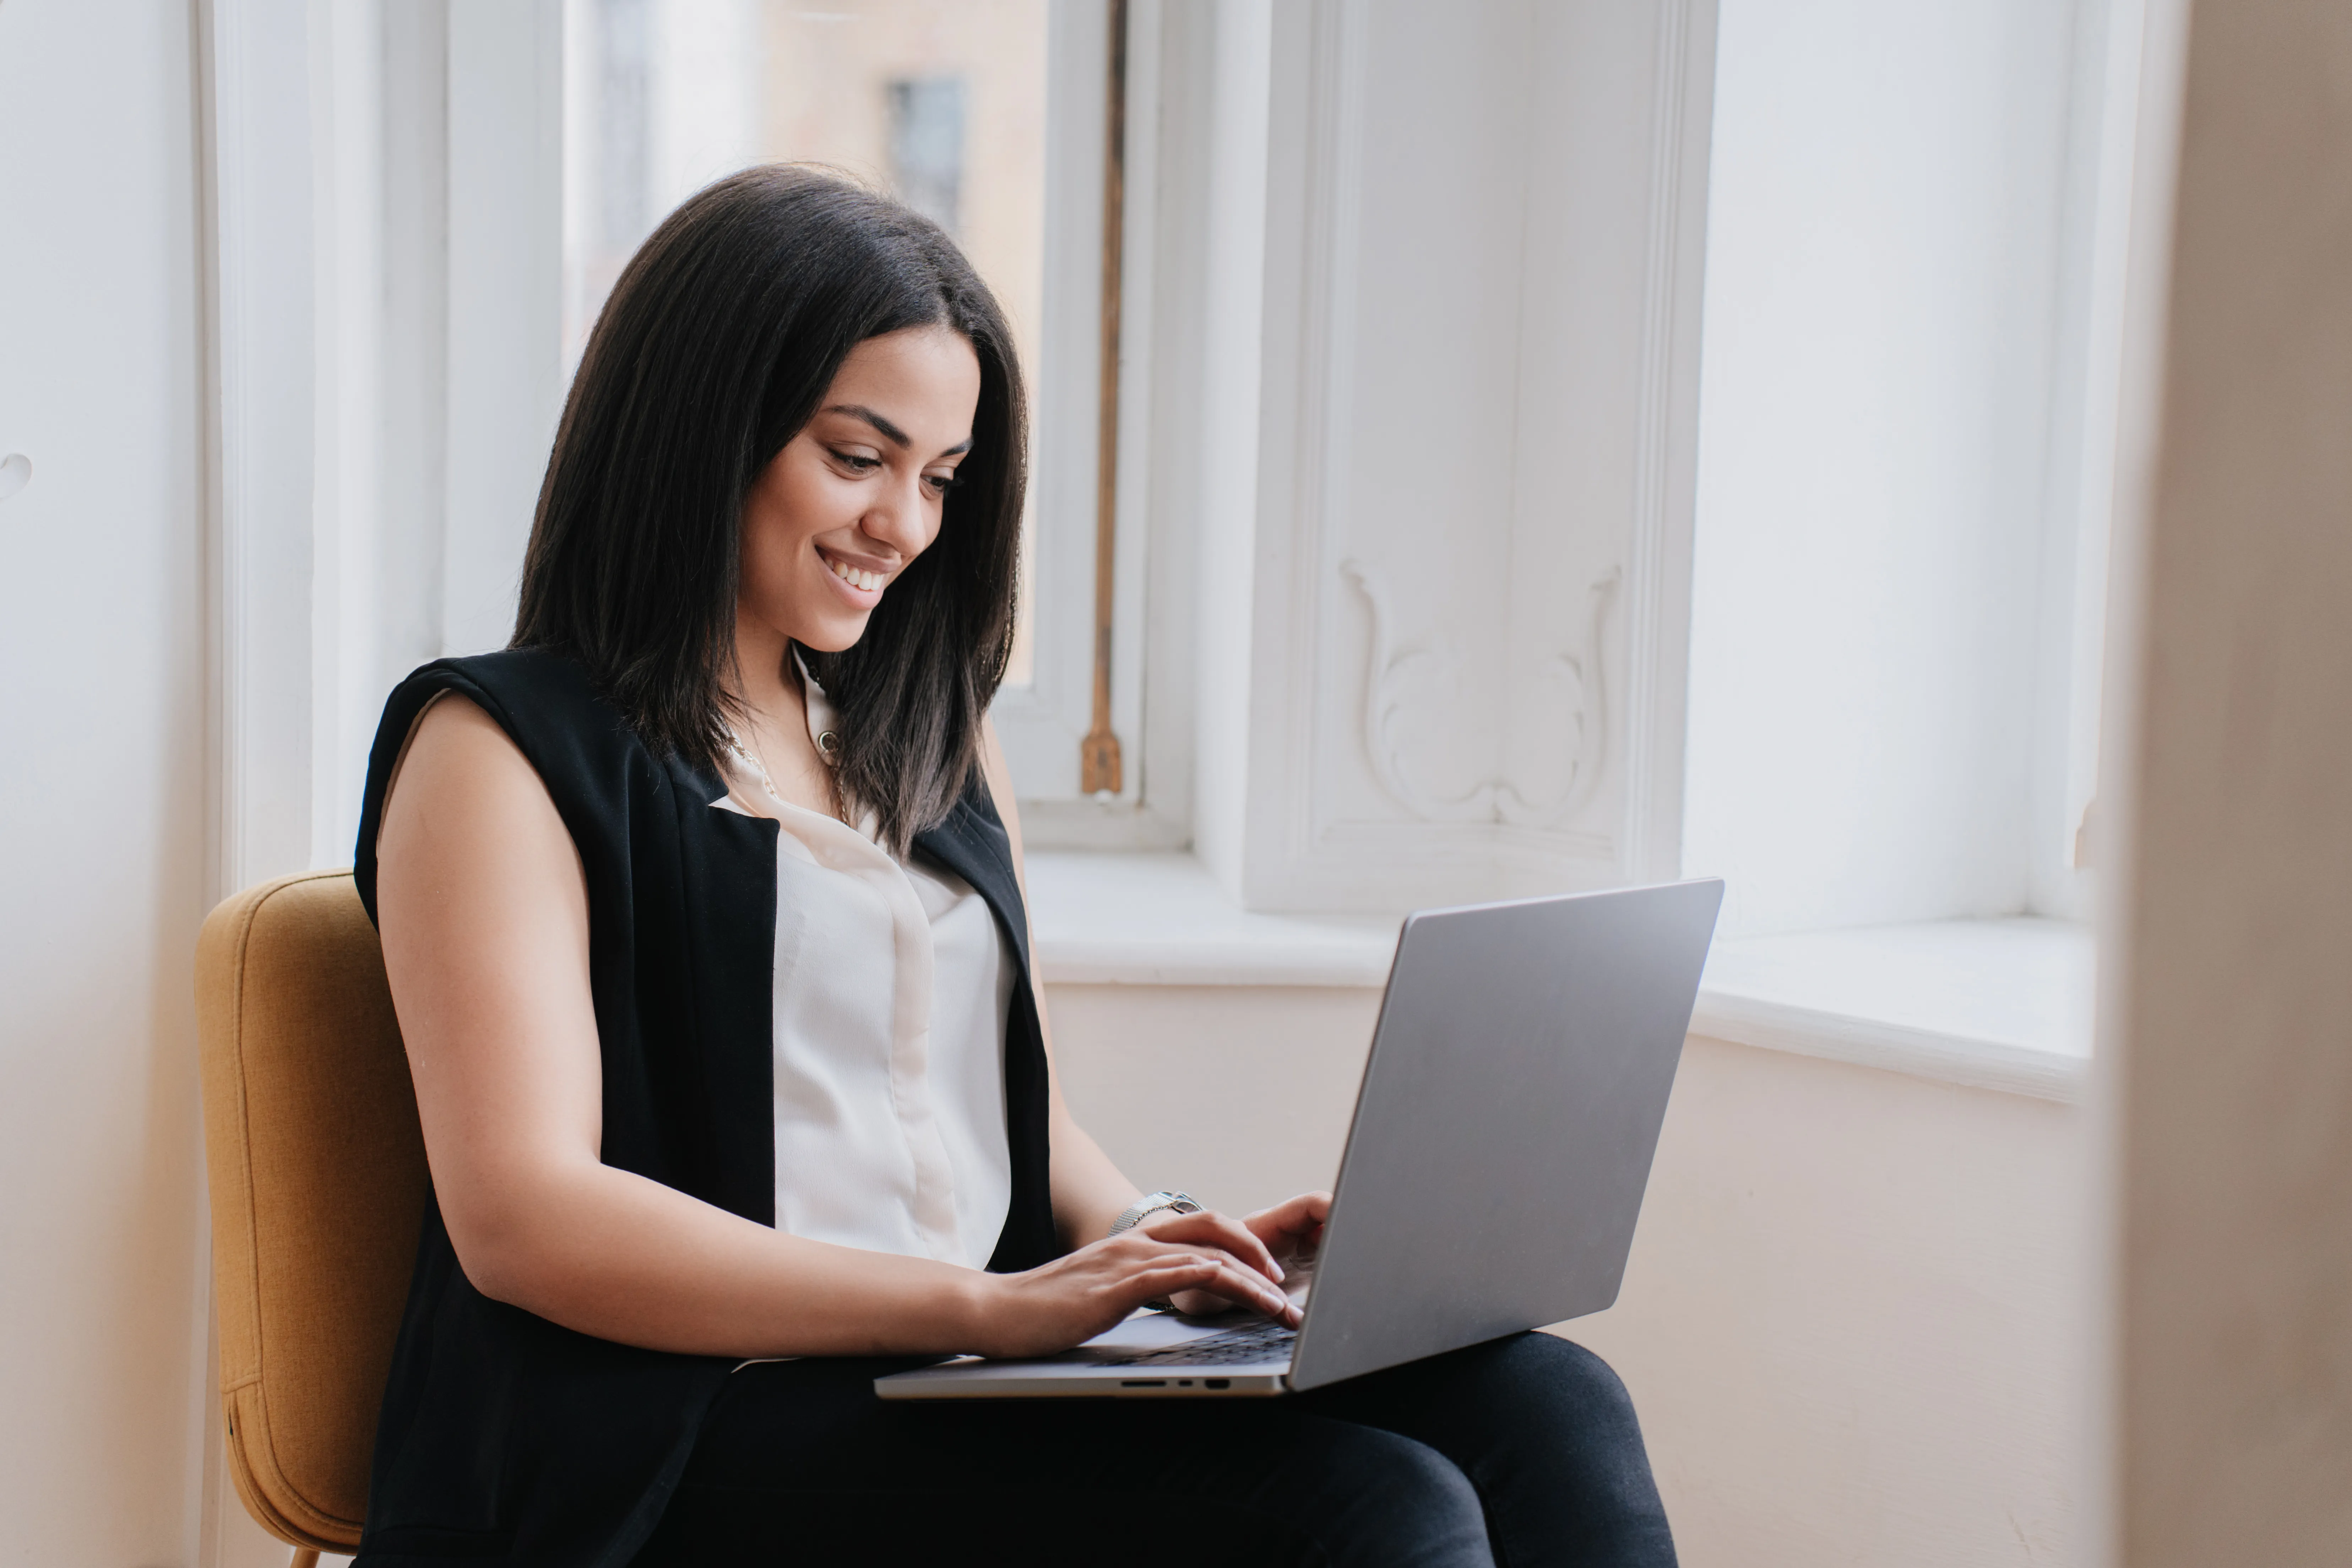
(1152, 1203)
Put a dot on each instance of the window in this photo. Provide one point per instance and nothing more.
(927, 146)
(1906, 460)
(1920, 323)
(987, 116)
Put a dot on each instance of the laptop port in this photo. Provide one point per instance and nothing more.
(1143, 1383)
(1219, 1382)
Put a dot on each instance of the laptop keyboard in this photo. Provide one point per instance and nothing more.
(1264, 1341)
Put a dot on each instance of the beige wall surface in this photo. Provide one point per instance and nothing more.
(2235, 964)
(1853, 1317)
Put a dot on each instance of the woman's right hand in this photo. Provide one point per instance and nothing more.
(1077, 1296)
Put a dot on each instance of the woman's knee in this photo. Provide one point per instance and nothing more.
(1568, 1373)
(1538, 1403)
(1385, 1498)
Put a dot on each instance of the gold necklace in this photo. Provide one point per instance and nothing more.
(751, 757)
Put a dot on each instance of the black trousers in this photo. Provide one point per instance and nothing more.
(1522, 1452)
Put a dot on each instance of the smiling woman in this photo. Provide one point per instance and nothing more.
(704, 930)
(815, 335)
(836, 519)
(702, 913)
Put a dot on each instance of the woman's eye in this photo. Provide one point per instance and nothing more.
(857, 464)
(941, 483)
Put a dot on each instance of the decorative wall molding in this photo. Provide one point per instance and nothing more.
(1477, 448)
(1387, 675)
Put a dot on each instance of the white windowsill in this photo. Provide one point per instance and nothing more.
(2001, 1004)
(1161, 920)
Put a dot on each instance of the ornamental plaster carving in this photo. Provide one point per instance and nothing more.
(1581, 707)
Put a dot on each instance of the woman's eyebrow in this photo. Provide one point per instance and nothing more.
(889, 431)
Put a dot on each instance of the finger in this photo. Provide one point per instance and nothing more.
(1176, 1274)
(1244, 1289)
(1199, 1303)
(1205, 1301)
(1294, 1227)
(1313, 1211)
(1171, 1254)
(1211, 1228)
(1165, 1280)
(1302, 1212)
(1214, 1273)
(1243, 1286)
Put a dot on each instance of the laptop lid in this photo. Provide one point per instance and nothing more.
(1509, 1111)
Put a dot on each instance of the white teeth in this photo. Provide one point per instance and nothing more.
(869, 580)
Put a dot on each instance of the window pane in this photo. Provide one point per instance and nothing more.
(941, 103)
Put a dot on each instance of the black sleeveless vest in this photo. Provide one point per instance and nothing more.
(508, 1439)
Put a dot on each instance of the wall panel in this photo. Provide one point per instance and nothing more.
(103, 770)
(1479, 385)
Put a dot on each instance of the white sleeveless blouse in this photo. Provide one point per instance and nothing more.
(892, 986)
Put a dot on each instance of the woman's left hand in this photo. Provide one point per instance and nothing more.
(1284, 1237)
(1293, 1230)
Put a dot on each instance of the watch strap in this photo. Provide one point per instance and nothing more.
(1152, 1203)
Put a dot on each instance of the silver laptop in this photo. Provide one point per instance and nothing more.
(1502, 1138)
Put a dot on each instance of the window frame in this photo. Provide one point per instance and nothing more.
(1044, 724)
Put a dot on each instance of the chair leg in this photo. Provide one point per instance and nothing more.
(304, 1557)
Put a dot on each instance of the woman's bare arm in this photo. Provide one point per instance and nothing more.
(484, 914)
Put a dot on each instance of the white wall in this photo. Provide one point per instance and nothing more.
(1855, 1318)
(1888, 257)
(1238, 1094)
(104, 774)
(1852, 1322)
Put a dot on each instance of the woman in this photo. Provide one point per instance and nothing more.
(701, 910)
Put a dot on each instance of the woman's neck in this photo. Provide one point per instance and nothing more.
(767, 686)
(773, 728)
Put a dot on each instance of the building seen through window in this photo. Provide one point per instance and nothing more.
(926, 135)
(941, 103)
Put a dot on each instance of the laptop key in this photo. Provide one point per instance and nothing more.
(1260, 1341)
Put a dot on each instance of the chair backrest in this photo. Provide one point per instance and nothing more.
(318, 1188)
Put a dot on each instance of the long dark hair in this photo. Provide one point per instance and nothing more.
(711, 353)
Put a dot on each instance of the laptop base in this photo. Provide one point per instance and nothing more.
(1145, 1357)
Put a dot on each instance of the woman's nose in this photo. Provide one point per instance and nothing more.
(902, 519)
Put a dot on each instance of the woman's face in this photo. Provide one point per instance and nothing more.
(856, 495)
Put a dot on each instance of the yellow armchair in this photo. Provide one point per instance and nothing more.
(319, 1186)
